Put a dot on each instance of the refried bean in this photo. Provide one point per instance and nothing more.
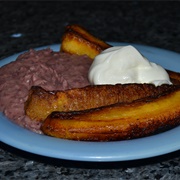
(46, 68)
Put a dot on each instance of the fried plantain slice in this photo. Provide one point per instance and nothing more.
(41, 103)
(174, 76)
(117, 122)
(77, 40)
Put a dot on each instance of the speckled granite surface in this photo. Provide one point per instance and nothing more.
(41, 23)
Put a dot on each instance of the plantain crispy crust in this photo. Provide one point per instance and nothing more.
(41, 103)
(77, 40)
(117, 122)
(174, 76)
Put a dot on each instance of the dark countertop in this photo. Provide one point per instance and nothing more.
(42, 23)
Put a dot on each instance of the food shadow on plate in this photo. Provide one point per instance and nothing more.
(87, 165)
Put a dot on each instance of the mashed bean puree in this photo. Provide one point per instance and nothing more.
(45, 68)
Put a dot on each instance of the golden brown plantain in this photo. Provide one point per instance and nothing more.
(117, 122)
(41, 103)
(77, 40)
(174, 76)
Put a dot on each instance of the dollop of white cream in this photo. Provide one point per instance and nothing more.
(124, 64)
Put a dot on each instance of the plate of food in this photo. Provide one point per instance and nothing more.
(49, 108)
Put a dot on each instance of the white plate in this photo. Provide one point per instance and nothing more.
(151, 146)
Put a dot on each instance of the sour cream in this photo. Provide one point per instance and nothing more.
(124, 64)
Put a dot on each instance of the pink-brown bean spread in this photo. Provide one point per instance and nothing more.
(46, 68)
